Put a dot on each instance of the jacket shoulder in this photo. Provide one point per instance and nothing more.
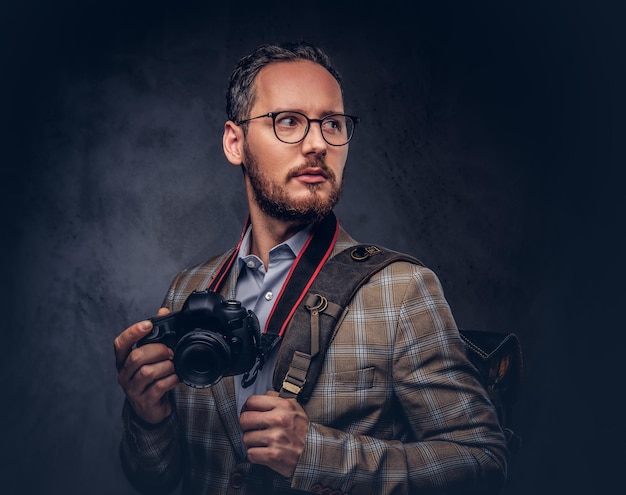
(196, 277)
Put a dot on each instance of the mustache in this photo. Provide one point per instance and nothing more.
(317, 162)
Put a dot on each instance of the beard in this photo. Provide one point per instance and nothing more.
(275, 202)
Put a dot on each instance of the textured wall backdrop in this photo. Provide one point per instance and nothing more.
(487, 149)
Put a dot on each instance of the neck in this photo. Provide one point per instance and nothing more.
(268, 232)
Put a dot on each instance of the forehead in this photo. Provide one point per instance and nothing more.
(300, 85)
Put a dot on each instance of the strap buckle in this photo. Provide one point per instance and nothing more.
(249, 377)
(321, 303)
(292, 388)
(361, 253)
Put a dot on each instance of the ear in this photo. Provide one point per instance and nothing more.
(233, 143)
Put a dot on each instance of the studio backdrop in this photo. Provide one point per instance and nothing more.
(481, 150)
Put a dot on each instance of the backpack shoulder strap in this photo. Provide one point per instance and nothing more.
(322, 309)
(497, 356)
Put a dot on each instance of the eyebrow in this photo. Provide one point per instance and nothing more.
(321, 114)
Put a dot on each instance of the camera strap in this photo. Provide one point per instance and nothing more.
(304, 270)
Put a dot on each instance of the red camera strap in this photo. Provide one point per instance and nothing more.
(305, 268)
(224, 269)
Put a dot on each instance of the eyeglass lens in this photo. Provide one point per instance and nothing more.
(292, 127)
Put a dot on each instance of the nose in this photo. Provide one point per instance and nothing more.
(314, 143)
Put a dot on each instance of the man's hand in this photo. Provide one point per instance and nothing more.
(274, 431)
(146, 374)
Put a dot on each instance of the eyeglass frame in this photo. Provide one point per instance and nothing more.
(273, 115)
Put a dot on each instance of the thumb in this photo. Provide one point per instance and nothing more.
(124, 342)
(163, 312)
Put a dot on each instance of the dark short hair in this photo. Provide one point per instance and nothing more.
(241, 95)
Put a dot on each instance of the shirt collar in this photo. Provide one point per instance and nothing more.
(290, 248)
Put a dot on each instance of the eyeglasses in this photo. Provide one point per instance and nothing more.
(292, 127)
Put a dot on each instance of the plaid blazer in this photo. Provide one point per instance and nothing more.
(397, 409)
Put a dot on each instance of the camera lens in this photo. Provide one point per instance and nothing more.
(201, 358)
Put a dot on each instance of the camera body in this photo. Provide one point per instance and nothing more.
(211, 337)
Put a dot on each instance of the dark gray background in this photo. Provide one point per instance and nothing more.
(489, 146)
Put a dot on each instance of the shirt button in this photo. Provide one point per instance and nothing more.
(269, 296)
(251, 264)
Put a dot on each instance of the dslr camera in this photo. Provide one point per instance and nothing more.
(211, 338)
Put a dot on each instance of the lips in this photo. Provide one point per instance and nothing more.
(311, 175)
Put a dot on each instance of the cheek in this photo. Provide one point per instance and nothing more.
(276, 166)
(272, 160)
(338, 164)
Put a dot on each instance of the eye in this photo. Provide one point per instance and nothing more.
(333, 124)
(289, 120)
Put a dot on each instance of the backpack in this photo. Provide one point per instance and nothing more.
(497, 356)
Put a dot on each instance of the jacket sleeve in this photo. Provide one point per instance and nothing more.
(445, 436)
(150, 455)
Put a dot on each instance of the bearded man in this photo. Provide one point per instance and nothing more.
(397, 408)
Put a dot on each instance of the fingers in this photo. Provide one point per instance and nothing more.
(163, 312)
(145, 365)
(124, 342)
(146, 377)
(274, 431)
(146, 373)
(153, 405)
(262, 412)
(266, 402)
